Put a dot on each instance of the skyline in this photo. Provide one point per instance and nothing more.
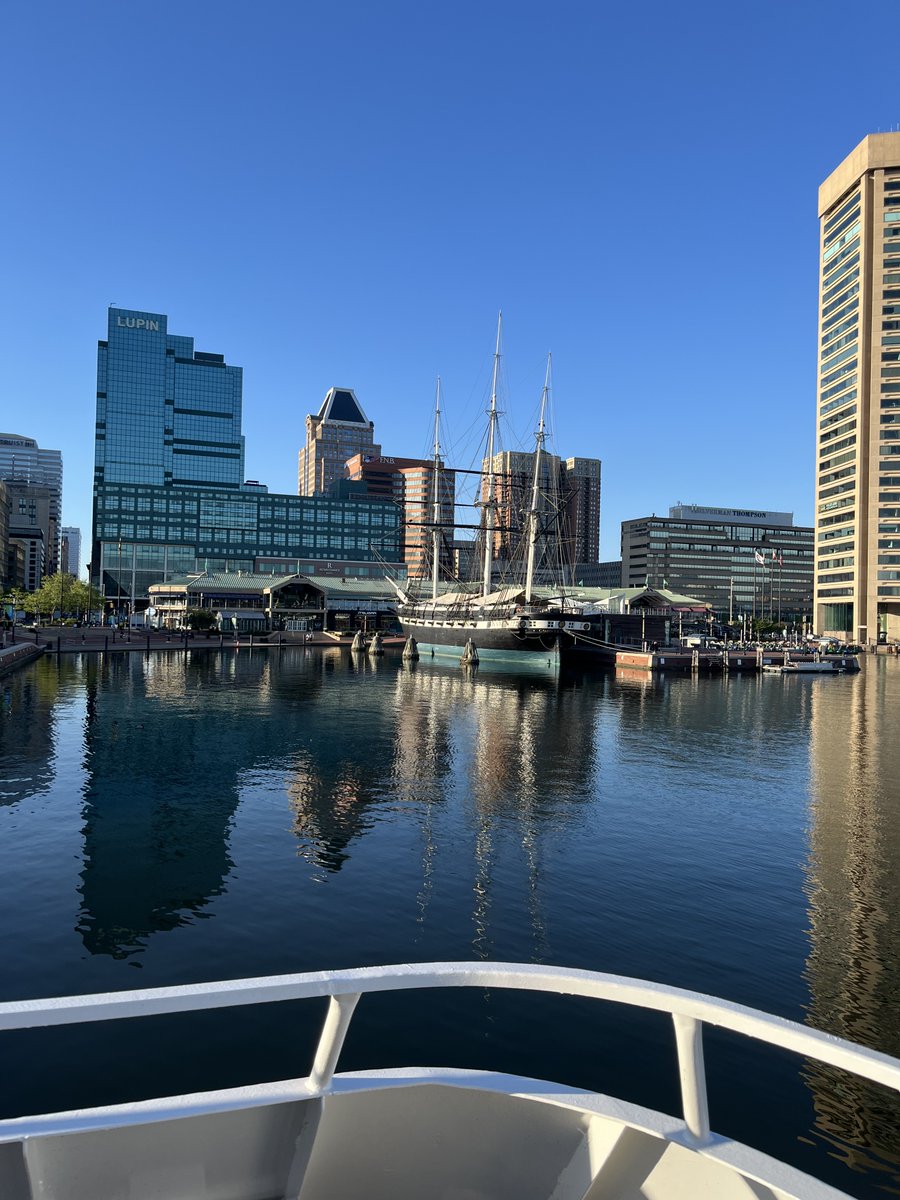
(346, 198)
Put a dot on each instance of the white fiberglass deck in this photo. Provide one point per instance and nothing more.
(410, 1133)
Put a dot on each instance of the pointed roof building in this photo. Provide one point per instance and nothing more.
(336, 433)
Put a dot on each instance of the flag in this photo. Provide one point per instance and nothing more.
(780, 559)
(774, 555)
(759, 558)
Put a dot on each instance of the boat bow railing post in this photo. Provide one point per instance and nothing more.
(331, 1042)
(692, 1074)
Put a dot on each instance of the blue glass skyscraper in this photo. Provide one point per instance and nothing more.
(169, 491)
(166, 414)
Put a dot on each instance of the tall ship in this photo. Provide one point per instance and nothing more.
(516, 620)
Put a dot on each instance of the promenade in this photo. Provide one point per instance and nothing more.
(57, 639)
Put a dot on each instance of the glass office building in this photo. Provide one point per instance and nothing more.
(169, 496)
(743, 562)
(23, 460)
(166, 414)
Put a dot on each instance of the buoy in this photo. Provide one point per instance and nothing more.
(469, 655)
(411, 649)
(359, 641)
(376, 645)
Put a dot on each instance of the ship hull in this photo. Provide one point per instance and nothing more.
(543, 642)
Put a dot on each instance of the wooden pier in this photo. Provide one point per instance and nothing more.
(708, 662)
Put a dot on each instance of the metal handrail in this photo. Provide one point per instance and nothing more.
(689, 1011)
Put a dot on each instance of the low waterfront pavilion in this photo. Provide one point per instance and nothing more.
(634, 599)
(259, 603)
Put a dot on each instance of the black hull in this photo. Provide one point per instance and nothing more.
(560, 638)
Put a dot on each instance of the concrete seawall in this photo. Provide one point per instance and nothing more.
(13, 657)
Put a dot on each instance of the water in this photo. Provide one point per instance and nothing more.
(179, 818)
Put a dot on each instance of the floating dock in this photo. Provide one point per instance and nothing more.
(708, 662)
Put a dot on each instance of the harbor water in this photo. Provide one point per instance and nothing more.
(185, 816)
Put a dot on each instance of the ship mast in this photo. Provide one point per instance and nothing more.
(534, 512)
(436, 498)
(489, 504)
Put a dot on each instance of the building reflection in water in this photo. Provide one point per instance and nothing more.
(492, 730)
(332, 783)
(853, 968)
(28, 757)
(162, 786)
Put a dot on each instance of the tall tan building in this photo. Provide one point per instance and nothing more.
(409, 482)
(339, 430)
(857, 559)
(570, 489)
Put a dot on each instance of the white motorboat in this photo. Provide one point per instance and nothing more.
(412, 1132)
(818, 667)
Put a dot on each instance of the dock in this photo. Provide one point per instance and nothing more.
(709, 662)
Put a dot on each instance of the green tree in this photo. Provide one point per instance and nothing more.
(82, 600)
(51, 596)
(65, 594)
(199, 618)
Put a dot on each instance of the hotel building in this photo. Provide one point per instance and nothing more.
(169, 496)
(741, 561)
(857, 532)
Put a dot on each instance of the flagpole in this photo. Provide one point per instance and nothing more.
(754, 585)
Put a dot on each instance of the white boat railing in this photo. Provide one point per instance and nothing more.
(690, 1011)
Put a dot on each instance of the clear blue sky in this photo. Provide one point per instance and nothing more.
(347, 193)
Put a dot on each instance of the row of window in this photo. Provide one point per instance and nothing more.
(845, 210)
(850, 254)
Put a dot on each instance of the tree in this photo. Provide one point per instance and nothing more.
(83, 599)
(14, 598)
(65, 594)
(200, 618)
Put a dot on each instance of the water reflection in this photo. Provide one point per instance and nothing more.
(239, 814)
(854, 909)
(166, 742)
(28, 720)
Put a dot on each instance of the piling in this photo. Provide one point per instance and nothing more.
(359, 642)
(469, 655)
(376, 646)
(411, 649)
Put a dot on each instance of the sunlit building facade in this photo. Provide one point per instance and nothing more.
(743, 562)
(857, 563)
(569, 502)
(335, 434)
(409, 483)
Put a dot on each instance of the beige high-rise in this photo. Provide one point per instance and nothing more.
(857, 562)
